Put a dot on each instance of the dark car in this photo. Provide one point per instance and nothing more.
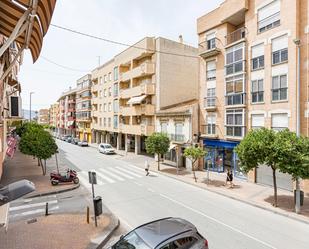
(75, 140)
(167, 233)
(69, 139)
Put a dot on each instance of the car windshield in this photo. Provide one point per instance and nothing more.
(131, 241)
(108, 146)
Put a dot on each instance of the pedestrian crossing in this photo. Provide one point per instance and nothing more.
(32, 207)
(111, 175)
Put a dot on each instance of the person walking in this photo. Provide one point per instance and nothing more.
(229, 177)
(147, 167)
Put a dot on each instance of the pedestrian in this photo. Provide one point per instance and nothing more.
(147, 167)
(229, 177)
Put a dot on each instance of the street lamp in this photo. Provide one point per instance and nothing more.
(297, 43)
(30, 104)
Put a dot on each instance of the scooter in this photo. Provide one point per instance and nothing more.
(70, 176)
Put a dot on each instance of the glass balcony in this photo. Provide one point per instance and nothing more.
(235, 36)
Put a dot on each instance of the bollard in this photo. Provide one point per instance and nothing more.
(46, 209)
(88, 214)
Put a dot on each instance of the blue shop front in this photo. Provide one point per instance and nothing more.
(220, 156)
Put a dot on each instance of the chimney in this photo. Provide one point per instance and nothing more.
(180, 39)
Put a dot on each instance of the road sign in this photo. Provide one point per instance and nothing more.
(92, 177)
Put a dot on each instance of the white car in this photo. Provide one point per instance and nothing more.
(82, 143)
(106, 149)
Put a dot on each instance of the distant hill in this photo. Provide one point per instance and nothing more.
(26, 114)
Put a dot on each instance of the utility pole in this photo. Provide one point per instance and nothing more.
(297, 43)
(30, 105)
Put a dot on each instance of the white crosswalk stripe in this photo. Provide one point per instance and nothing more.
(83, 177)
(106, 178)
(111, 174)
(128, 172)
(121, 173)
(32, 205)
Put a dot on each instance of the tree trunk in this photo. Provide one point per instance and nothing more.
(45, 166)
(39, 162)
(159, 162)
(42, 166)
(193, 170)
(275, 187)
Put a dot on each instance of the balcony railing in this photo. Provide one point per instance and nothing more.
(177, 137)
(210, 103)
(235, 36)
(209, 48)
(235, 99)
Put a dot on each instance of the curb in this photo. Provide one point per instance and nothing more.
(239, 199)
(53, 192)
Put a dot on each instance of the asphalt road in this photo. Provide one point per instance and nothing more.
(138, 199)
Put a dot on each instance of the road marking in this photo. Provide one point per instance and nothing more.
(32, 205)
(36, 211)
(139, 169)
(84, 179)
(217, 221)
(128, 172)
(111, 174)
(104, 177)
(121, 173)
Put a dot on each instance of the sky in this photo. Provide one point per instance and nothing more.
(126, 21)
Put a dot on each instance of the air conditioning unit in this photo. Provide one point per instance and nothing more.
(15, 110)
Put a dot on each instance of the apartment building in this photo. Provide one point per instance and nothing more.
(53, 114)
(152, 74)
(43, 117)
(67, 113)
(248, 77)
(83, 108)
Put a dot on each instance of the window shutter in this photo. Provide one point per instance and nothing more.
(280, 43)
(257, 120)
(269, 10)
(210, 36)
(257, 51)
(211, 119)
(280, 120)
(211, 65)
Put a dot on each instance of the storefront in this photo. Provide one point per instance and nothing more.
(220, 156)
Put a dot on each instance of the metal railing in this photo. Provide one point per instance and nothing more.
(210, 102)
(177, 137)
(235, 36)
(208, 45)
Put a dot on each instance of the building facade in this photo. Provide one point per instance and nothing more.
(53, 115)
(43, 117)
(129, 89)
(67, 113)
(248, 75)
(83, 108)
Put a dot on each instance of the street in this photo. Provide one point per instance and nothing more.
(138, 199)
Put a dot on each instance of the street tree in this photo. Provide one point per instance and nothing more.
(259, 148)
(194, 154)
(157, 143)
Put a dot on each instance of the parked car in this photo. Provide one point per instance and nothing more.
(75, 141)
(106, 149)
(83, 143)
(69, 139)
(165, 233)
(64, 137)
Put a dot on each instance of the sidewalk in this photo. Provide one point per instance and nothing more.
(253, 194)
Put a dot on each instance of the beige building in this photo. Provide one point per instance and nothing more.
(43, 117)
(248, 77)
(83, 108)
(53, 114)
(129, 89)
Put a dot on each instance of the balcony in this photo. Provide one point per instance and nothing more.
(235, 36)
(147, 68)
(71, 101)
(210, 103)
(137, 110)
(141, 129)
(177, 138)
(147, 89)
(209, 48)
(209, 130)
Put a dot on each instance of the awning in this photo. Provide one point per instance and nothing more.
(137, 100)
(26, 22)
(220, 143)
(172, 146)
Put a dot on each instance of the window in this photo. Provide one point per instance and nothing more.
(257, 121)
(109, 122)
(182, 243)
(279, 88)
(100, 80)
(211, 70)
(178, 132)
(131, 240)
(105, 93)
(269, 16)
(234, 90)
(109, 91)
(211, 41)
(257, 91)
(257, 55)
(115, 73)
(279, 121)
(235, 123)
(116, 90)
(109, 107)
(109, 76)
(280, 50)
(164, 127)
(115, 121)
(100, 94)
(211, 97)
(115, 105)
(211, 124)
(105, 78)
(105, 109)
(100, 107)
(104, 121)
(234, 60)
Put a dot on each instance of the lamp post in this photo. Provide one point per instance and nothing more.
(297, 43)
(30, 104)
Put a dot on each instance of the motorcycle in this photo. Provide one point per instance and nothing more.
(70, 176)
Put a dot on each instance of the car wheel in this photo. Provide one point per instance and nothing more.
(76, 180)
(54, 183)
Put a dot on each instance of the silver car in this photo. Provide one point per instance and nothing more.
(167, 233)
(106, 149)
